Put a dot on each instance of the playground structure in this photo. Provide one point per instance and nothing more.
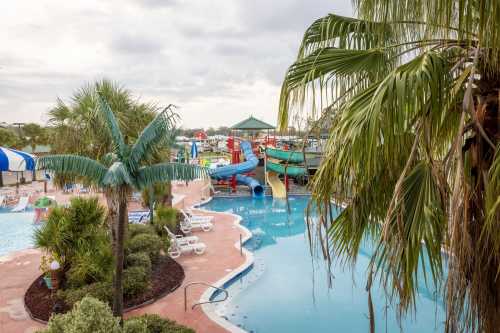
(242, 144)
(235, 172)
(283, 162)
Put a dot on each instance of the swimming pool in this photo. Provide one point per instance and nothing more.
(16, 231)
(286, 291)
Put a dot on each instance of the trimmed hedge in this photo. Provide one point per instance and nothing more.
(140, 259)
(88, 316)
(152, 323)
(149, 243)
(93, 316)
(102, 291)
(135, 281)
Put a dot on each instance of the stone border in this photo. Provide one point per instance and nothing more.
(133, 307)
(249, 260)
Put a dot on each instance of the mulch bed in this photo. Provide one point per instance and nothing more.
(167, 276)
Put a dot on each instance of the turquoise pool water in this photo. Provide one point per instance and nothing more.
(16, 231)
(286, 291)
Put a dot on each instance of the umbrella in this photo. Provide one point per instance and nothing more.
(194, 150)
(15, 160)
(44, 202)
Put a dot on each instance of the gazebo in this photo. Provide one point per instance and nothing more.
(252, 124)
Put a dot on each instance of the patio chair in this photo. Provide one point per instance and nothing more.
(193, 217)
(21, 205)
(180, 238)
(188, 225)
(139, 216)
(177, 248)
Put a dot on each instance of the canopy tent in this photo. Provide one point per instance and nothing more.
(252, 123)
(15, 160)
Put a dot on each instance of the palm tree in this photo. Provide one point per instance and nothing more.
(122, 171)
(409, 91)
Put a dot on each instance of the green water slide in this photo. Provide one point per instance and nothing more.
(289, 156)
(290, 170)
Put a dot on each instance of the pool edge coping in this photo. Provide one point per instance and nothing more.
(249, 260)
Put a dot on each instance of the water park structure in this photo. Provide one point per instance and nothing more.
(283, 162)
(242, 145)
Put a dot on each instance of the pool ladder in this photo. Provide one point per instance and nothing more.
(226, 294)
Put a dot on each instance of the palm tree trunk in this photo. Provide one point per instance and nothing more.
(119, 256)
(479, 268)
(169, 195)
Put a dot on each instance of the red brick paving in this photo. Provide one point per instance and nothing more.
(18, 271)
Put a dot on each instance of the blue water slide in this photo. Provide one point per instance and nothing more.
(251, 162)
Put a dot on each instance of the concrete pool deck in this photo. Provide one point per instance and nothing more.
(220, 259)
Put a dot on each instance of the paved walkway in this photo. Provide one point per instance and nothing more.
(220, 258)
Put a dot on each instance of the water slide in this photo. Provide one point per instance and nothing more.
(282, 162)
(250, 163)
(278, 188)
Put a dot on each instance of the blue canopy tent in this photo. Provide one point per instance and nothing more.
(16, 161)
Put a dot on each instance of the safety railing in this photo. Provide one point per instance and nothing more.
(226, 294)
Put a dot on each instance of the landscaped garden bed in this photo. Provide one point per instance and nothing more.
(78, 239)
(166, 277)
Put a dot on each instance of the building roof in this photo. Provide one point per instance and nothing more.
(252, 123)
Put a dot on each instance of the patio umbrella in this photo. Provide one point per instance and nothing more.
(15, 160)
(194, 150)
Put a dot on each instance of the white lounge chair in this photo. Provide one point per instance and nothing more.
(193, 217)
(177, 248)
(188, 225)
(183, 240)
(140, 216)
(21, 205)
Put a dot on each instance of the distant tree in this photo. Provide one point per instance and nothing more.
(9, 139)
(34, 135)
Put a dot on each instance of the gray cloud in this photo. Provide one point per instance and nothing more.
(225, 59)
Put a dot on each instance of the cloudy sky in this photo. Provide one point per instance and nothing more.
(219, 60)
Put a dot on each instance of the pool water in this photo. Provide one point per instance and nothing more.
(287, 291)
(16, 231)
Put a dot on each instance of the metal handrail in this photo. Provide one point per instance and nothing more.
(201, 303)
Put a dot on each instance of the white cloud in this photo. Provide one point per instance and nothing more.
(219, 60)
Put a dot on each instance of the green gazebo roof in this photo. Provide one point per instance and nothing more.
(252, 123)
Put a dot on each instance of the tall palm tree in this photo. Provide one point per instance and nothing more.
(409, 91)
(122, 171)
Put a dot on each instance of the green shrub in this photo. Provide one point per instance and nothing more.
(92, 265)
(165, 216)
(88, 316)
(138, 229)
(151, 244)
(135, 281)
(153, 323)
(140, 259)
(102, 291)
(77, 237)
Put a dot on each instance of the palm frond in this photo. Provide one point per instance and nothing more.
(112, 124)
(343, 32)
(118, 175)
(336, 69)
(74, 166)
(164, 172)
(153, 135)
(415, 233)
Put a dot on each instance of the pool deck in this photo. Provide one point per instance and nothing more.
(220, 259)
